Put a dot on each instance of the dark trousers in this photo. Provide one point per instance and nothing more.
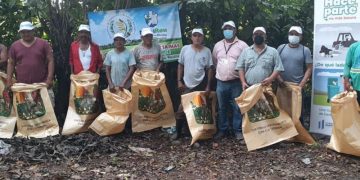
(358, 96)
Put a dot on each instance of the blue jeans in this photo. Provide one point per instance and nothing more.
(226, 92)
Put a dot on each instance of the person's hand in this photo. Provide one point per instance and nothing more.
(282, 83)
(9, 83)
(181, 87)
(112, 88)
(347, 85)
(266, 81)
(121, 87)
(302, 84)
(244, 86)
(207, 90)
(49, 83)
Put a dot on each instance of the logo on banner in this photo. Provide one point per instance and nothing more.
(339, 8)
(151, 19)
(321, 124)
(121, 23)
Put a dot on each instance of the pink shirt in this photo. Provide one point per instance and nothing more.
(225, 56)
(30, 62)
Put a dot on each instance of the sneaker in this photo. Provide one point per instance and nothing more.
(239, 136)
(219, 135)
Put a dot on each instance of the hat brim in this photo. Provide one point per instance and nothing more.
(119, 37)
(147, 34)
(227, 25)
(84, 30)
(26, 29)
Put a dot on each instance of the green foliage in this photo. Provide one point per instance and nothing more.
(12, 12)
(57, 21)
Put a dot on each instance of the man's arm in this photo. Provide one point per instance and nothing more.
(210, 76)
(307, 75)
(99, 60)
(244, 85)
(108, 77)
(347, 67)
(10, 72)
(159, 66)
(128, 75)
(160, 59)
(71, 60)
(180, 74)
(51, 69)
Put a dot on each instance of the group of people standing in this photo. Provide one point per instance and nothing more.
(234, 64)
(238, 66)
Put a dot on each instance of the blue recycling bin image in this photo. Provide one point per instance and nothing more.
(333, 88)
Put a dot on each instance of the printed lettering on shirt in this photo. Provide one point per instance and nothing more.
(149, 56)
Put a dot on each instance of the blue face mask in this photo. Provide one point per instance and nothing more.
(228, 34)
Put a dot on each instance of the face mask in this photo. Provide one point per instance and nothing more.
(294, 40)
(228, 34)
(258, 40)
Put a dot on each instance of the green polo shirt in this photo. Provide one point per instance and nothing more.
(352, 65)
(257, 67)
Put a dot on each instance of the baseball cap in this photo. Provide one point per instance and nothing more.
(296, 28)
(259, 29)
(197, 30)
(84, 27)
(228, 23)
(26, 25)
(119, 34)
(146, 31)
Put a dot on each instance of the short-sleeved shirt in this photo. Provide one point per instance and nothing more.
(31, 64)
(120, 65)
(294, 61)
(195, 64)
(256, 66)
(225, 57)
(148, 58)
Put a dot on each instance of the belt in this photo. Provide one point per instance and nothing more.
(230, 81)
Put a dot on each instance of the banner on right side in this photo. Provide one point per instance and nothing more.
(336, 27)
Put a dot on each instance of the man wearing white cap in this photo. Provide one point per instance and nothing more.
(195, 62)
(228, 87)
(147, 54)
(296, 59)
(120, 64)
(259, 63)
(31, 58)
(84, 54)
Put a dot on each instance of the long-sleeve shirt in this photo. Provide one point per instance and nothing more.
(352, 65)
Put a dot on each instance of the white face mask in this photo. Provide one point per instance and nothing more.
(294, 40)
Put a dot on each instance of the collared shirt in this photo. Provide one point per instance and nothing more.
(225, 56)
(256, 66)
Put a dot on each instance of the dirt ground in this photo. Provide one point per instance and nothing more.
(88, 156)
